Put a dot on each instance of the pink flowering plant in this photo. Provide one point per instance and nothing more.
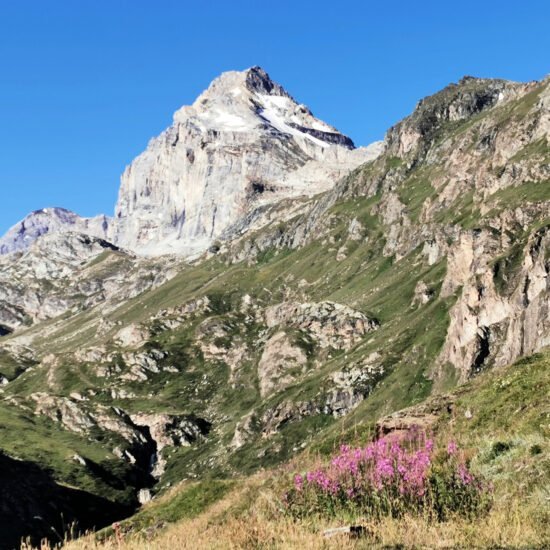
(391, 476)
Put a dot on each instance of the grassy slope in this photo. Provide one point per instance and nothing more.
(40, 440)
(506, 436)
(408, 340)
(364, 279)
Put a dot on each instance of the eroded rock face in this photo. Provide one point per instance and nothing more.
(54, 258)
(491, 325)
(132, 335)
(67, 272)
(50, 220)
(422, 293)
(146, 434)
(286, 412)
(244, 430)
(284, 356)
(170, 430)
(351, 385)
(79, 417)
(419, 417)
(11, 317)
(456, 102)
(171, 318)
(341, 392)
(280, 360)
(329, 323)
(64, 410)
(141, 363)
(219, 342)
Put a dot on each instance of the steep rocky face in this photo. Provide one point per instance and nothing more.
(503, 311)
(50, 220)
(244, 144)
(457, 102)
(464, 180)
(65, 271)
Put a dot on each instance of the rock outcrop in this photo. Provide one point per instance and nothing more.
(169, 430)
(329, 324)
(49, 221)
(66, 271)
(502, 313)
(281, 362)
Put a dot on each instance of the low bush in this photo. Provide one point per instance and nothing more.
(392, 476)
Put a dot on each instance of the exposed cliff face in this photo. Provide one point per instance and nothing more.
(244, 146)
(245, 143)
(64, 271)
(417, 133)
(503, 310)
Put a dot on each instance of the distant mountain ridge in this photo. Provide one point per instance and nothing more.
(243, 146)
(50, 220)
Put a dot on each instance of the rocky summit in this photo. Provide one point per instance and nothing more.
(246, 141)
(220, 169)
(266, 290)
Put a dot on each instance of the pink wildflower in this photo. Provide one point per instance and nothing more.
(452, 448)
(298, 482)
(465, 476)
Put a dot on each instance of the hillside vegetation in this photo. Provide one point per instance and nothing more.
(501, 419)
(206, 384)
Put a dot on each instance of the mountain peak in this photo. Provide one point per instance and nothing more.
(250, 103)
(240, 86)
(244, 133)
(257, 80)
(244, 145)
(52, 212)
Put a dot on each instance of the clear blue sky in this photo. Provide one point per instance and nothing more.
(84, 84)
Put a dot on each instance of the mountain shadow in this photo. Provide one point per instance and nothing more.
(33, 506)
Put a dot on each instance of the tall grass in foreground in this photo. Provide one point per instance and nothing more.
(510, 527)
(416, 494)
(393, 476)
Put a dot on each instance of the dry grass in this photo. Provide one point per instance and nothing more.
(249, 518)
(249, 515)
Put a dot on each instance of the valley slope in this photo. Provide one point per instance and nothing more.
(417, 271)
